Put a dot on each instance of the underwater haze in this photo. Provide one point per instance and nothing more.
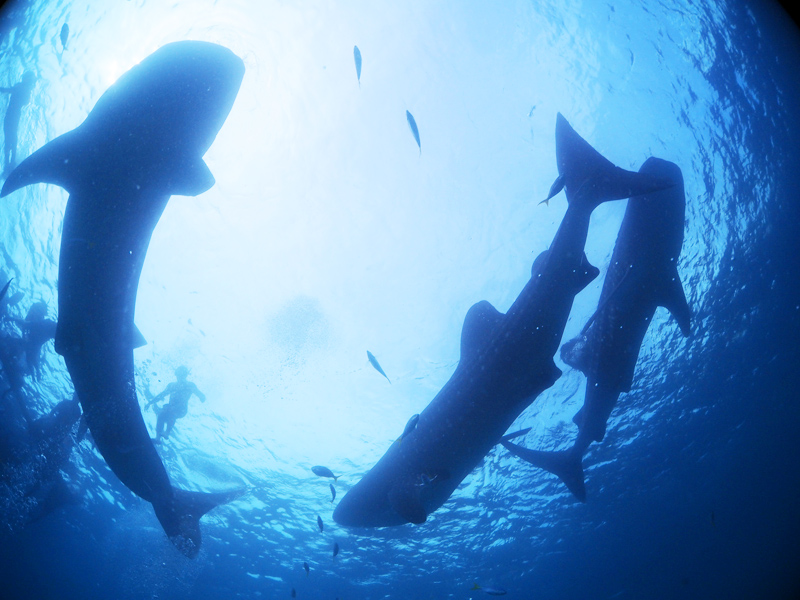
(367, 209)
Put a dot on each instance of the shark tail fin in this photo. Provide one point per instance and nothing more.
(566, 465)
(591, 178)
(181, 518)
(52, 163)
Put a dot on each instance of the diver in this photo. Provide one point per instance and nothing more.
(179, 393)
(20, 96)
(37, 330)
(21, 356)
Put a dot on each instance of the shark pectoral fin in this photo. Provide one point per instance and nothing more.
(566, 465)
(553, 373)
(404, 498)
(480, 323)
(56, 162)
(674, 301)
(587, 273)
(189, 177)
(5, 289)
(137, 339)
(516, 434)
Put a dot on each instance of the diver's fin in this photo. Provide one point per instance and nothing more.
(188, 177)
(137, 339)
(181, 517)
(592, 178)
(566, 465)
(405, 501)
(674, 300)
(56, 162)
(479, 325)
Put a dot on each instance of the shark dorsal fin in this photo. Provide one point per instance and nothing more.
(480, 324)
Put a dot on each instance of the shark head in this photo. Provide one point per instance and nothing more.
(151, 128)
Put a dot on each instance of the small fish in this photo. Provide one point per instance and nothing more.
(323, 472)
(64, 36)
(305, 566)
(489, 590)
(333, 493)
(413, 125)
(376, 364)
(5, 288)
(557, 186)
(335, 549)
(294, 593)
(410, 426)
(319, 523)
(357, 56)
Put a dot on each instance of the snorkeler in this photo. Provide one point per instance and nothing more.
(20, 96)
(179, 393)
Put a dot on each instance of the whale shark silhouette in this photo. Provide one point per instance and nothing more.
(506, 359)
(642, 276)
(143, 141)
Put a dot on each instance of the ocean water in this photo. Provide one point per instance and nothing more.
(329, 232)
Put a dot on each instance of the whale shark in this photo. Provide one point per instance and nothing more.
(506, 360)
(142, 142)
(642, 276)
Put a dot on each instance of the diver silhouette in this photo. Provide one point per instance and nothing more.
(179, 393)
(20, 96)
(21, 356)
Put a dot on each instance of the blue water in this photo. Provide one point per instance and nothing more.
(328, 233)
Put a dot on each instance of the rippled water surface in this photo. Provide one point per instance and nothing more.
(330, 233)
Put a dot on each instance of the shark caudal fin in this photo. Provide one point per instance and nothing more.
(591, 178)
(181, 518)
(566, 465)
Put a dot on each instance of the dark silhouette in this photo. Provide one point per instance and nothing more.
(643, 276)
(142, 142)
(506, 360)
(20, 96)
(179, 393)
(21, 356)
